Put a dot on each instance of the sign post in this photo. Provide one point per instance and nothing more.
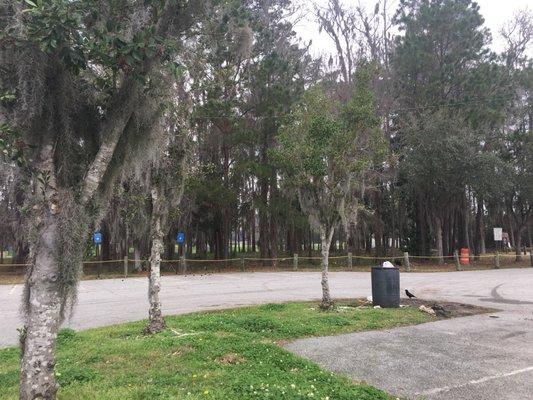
(97, 240)
(180, 240)
(498, 237)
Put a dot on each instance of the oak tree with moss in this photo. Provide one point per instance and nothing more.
(81, 74)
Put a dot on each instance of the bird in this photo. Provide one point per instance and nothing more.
(409, 294)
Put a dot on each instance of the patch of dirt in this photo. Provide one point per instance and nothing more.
(452, 310)
(443, 309)
(230, 359)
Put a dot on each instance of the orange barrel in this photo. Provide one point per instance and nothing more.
(465, 256)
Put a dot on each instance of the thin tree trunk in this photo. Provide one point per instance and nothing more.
(253, 239)
(137, 257)
(156, 322)
(325, 238)
(518, 244)
(481, 227)
(273, 245)
(466, 220)
(264, 226)
(511, 231)
(438, 229)
(422, 226)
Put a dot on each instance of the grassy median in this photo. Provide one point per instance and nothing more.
(230, 354)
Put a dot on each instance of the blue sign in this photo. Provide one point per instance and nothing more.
(97, 238)
(180, 237)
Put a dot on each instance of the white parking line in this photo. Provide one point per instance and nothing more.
(476, 381)
(12, 289)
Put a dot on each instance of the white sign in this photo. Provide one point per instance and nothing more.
(498, 234)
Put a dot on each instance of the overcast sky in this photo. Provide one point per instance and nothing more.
(495, 12)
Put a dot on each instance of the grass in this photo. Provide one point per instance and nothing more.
(232, 355)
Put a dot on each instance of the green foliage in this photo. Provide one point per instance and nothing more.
(11, 146)
(441, 41)
(230, 354)
(55, 27)
(309, 144)
(71, 31)
(328, 149)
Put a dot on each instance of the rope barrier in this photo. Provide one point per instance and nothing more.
(300, 258)
(102, 262)
(14, 265)
(429, 257)
(213, 261)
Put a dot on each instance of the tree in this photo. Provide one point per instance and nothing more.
(80, 72)
(515, 147)
(328, 151)
(243, 86)
(436, 63)
(166, 184)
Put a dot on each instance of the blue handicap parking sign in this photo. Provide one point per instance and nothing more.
(180, 237)
(97, 238)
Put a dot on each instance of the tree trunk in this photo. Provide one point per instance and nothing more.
(481, 227)
(253, 239)
(438, 234)
(137, 258)
(20, 252)
(264, 227)
(170, 247)
(43, 317)
(466, 220)
(518, 244)
(156, 323)
(511, 231)
(201, 244)
(273, 245)
(422, 227)
(325, 239)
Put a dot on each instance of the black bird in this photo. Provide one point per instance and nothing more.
(409, 294)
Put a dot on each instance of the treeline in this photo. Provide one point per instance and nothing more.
(455, 119)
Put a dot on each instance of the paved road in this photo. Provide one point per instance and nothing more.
(112, 301)
(474, 358)
(467, 358)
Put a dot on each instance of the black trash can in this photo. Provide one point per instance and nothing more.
(386, 287)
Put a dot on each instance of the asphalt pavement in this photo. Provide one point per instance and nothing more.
(467, 358)
(482, 357)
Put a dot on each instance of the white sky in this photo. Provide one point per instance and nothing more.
(495, 12)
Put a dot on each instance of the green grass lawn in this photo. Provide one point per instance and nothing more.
(231, 355)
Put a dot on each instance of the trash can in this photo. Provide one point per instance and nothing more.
(386, 287)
